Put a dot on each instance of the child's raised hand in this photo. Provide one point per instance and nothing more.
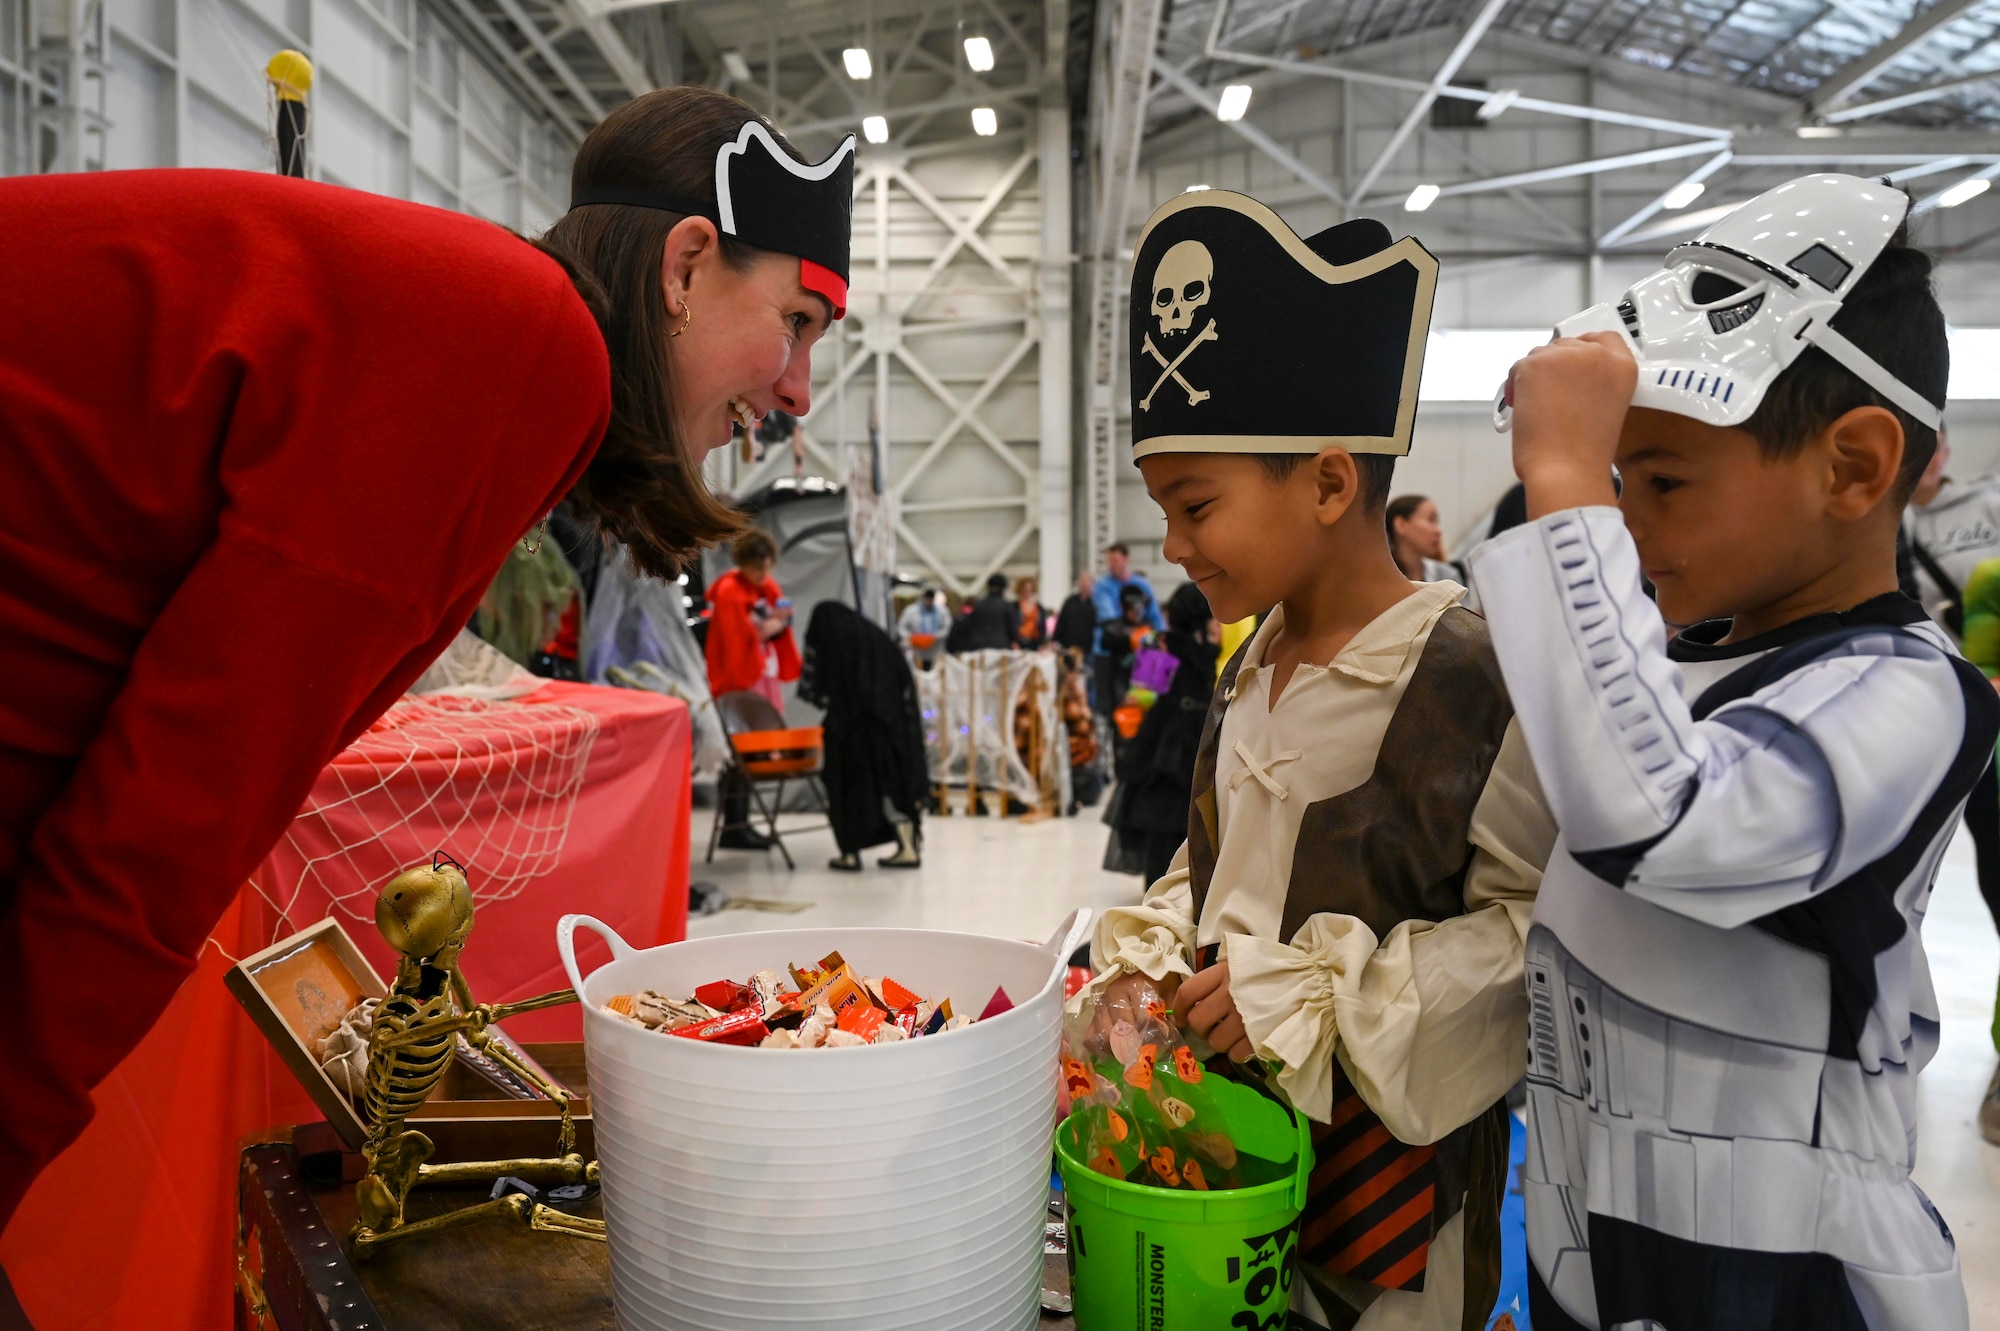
(1205, 1007)
(1570, 399)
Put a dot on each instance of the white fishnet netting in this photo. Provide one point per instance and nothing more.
(491, 782)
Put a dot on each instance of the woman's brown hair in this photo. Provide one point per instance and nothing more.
(642, 488)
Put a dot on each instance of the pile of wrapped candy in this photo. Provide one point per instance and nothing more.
(828, 1006)
(1138, 1085)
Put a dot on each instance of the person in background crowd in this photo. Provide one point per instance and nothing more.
(750, 642)
(1076, 622)
(1122, 638)
(1149, 809)
(1416, 540)
(988, 623)
(1952, 530)
(1980, 641)
(1031, 627)
(1952, 527)
(922, 627)
(1107, 597)
(750, 646)
(1106, 593)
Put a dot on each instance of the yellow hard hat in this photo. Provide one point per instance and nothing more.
(291, 74)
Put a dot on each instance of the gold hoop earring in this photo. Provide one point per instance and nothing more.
(687, 316)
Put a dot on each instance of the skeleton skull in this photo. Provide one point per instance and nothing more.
(1182, 284)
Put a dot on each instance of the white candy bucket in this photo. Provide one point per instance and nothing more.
(891, 1186)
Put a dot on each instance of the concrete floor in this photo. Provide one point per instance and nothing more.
(1003, 877)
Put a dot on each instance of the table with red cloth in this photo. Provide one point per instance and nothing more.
(572, 798)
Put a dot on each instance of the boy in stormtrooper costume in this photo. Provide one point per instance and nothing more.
(1729, 999)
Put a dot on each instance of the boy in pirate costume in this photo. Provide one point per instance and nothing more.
(1366, 834)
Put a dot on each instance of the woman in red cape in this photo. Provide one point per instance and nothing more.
(263, 443)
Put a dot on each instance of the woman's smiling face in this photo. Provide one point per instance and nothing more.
(748, 345)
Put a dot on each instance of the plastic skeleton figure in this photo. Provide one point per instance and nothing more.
(425, 914)
(1729, 998)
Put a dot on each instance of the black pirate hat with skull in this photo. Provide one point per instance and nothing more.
(1247, 339)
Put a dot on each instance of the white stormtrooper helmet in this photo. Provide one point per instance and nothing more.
(1732, 308)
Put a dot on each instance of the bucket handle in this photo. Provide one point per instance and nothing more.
(1304, 1171)
(566, 945)
(1069, 936)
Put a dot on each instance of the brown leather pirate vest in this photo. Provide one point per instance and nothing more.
(1393, 848)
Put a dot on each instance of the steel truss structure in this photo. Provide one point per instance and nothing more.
(996, 399)
(960, 266)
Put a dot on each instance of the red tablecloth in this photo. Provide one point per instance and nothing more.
(577, 801)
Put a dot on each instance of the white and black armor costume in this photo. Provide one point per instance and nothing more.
(1729, 996)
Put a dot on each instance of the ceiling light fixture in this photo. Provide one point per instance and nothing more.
(1964, 190)
(1196, 189)
(1496, 106)
(736, 66)
(1683, 194)
(979, 54)
(1422, 197)
(984, 123)
(1819, 131)
(875, 129)
(859, 66)
(1235, 100)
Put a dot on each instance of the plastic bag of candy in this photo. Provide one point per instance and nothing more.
(827, 1006)
(1148, 1113)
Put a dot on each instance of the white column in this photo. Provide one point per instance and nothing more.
(1057, 445)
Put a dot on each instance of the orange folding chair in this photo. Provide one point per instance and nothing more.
(765, 754)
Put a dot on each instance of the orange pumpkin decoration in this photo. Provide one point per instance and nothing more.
(1156, 1008)
(1118, 1129)
(1191, 1171)
(1106, 1163)
(1187, 1065)
(1077, 1077)
(1163, 1165)
(1139, 1072)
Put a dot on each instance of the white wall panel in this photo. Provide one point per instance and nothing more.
(139, 95)
(400, 107)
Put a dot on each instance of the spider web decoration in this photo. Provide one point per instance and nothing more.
(493, 783)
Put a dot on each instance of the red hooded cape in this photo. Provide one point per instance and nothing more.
(265, 444)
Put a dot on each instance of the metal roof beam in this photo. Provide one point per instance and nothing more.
(1264, 143)
(1915, 97)
(1571, 110)
(1645, 214)
(1859, 73)
(1481, 21)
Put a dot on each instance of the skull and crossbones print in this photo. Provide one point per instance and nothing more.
(1182, 284)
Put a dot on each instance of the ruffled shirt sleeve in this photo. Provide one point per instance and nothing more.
(1155, 937)
(1430, 1023)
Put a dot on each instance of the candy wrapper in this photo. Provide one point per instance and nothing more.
(832, 1006)
(1148, 1117)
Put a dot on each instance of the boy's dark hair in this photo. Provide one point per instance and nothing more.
(1374, 471)
(754, 547)
(1118, 548)
(996, 584)
(1893, 315)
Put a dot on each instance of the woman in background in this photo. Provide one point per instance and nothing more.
(1416, 540)
(750, 643)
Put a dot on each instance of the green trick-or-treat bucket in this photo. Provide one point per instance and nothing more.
(1158, 1259)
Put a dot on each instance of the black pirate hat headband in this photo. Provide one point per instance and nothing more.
(767, 198)
(1247, 339)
